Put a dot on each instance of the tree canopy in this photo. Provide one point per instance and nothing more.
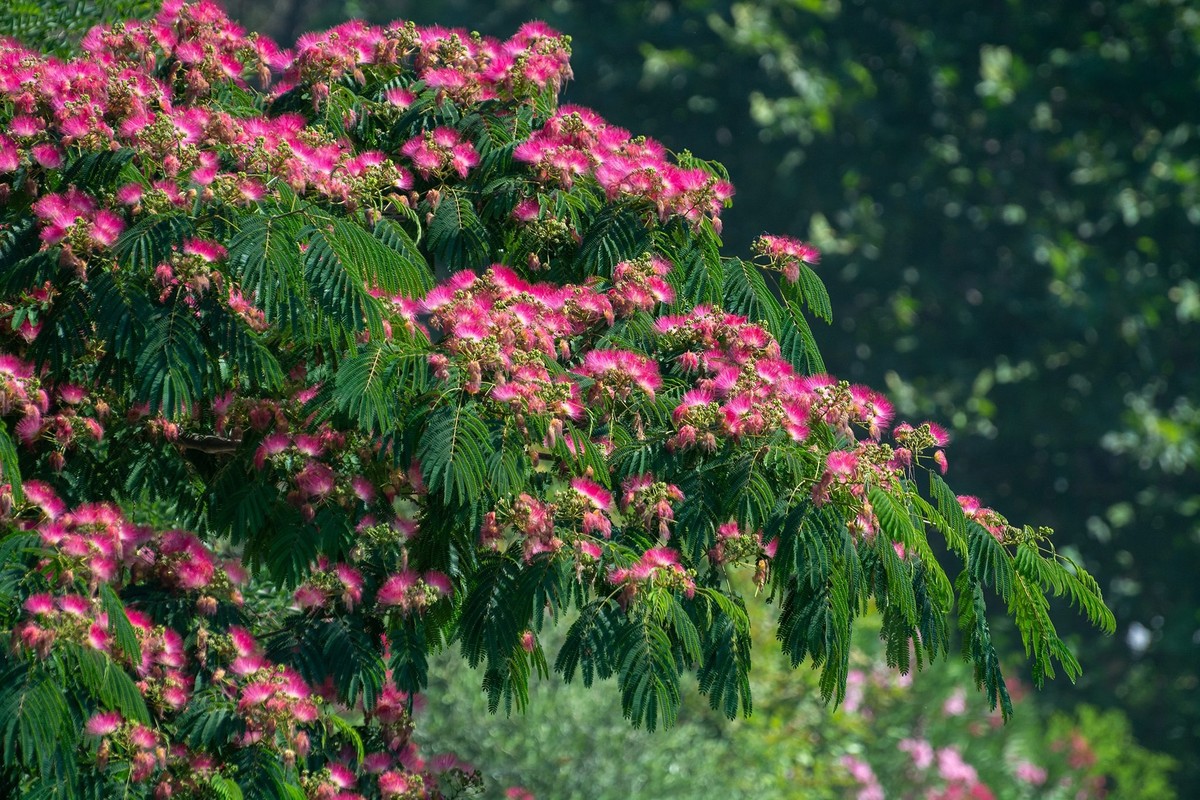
(319, 360)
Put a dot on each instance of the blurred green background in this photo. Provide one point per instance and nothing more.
(1007, 194)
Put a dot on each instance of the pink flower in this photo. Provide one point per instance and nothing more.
(395, 590)
(594, 493)
(208, 252)
(920, 750)
(39, 604)
(1030, 773)
(956, 703)
(315, 480)
(103, 724)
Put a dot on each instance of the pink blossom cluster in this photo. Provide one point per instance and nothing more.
(640, 285)
(440, 152)
(597, 506)
(275, 702)
(500, 329)
(96, 544)
(76, 212)
(956, 779)
(578, 515)
(410, 591)
(747, 389)
(991, 520)
(577, 142)
(134, 742)
(735, 544)
(328, 583)
(66, 617)
(55, 417)
(463, 68)
(323, 465)
(657, 567)
(470, 68)
(785, 254)
(869, 785)
(529, 519)
(650, 502)
(616, 373)
(24, 316)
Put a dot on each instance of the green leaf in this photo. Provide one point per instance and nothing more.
(119, 626)
(172, 366)
(10, 467)
(810, 292)
(456, 236)
(266, 262)
(454, 453)
(151, 241)
(615, 235)
(589, 644)
(724, 674)
(100, 169)
(106, 681)
(345, 730)
(338, 284)
(416, 277)
(371, 384)
(225, 788)
(647, 676)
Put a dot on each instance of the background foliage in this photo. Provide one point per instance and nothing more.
(918, 736)
(1014, 182)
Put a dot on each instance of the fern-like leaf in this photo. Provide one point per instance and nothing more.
(454, 453)
(171, 368)
(456, 236)
(647, 676)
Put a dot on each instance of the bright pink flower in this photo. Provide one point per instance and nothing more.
(103, 724)
(315, 480)
(594, 493)
(396, 589)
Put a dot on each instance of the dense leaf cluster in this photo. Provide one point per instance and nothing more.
(313, 365)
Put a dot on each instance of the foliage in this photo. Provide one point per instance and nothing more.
(894, 736)
(318, 362)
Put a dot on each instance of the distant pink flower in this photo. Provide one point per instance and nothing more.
(956, 703)
(1029, 772)
(952, 767)
(920, 750)
(395, 590)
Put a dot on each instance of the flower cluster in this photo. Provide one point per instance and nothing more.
(747, 389)
(440, 152)
(577, 142)
(325, 584)
(54, 417)
(615, 373)
(640, 285)
(650, 503)
(409, 591)
(502, 329)
(658, 567)
(785, 254)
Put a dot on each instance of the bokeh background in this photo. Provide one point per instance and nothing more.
(1007, 195)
